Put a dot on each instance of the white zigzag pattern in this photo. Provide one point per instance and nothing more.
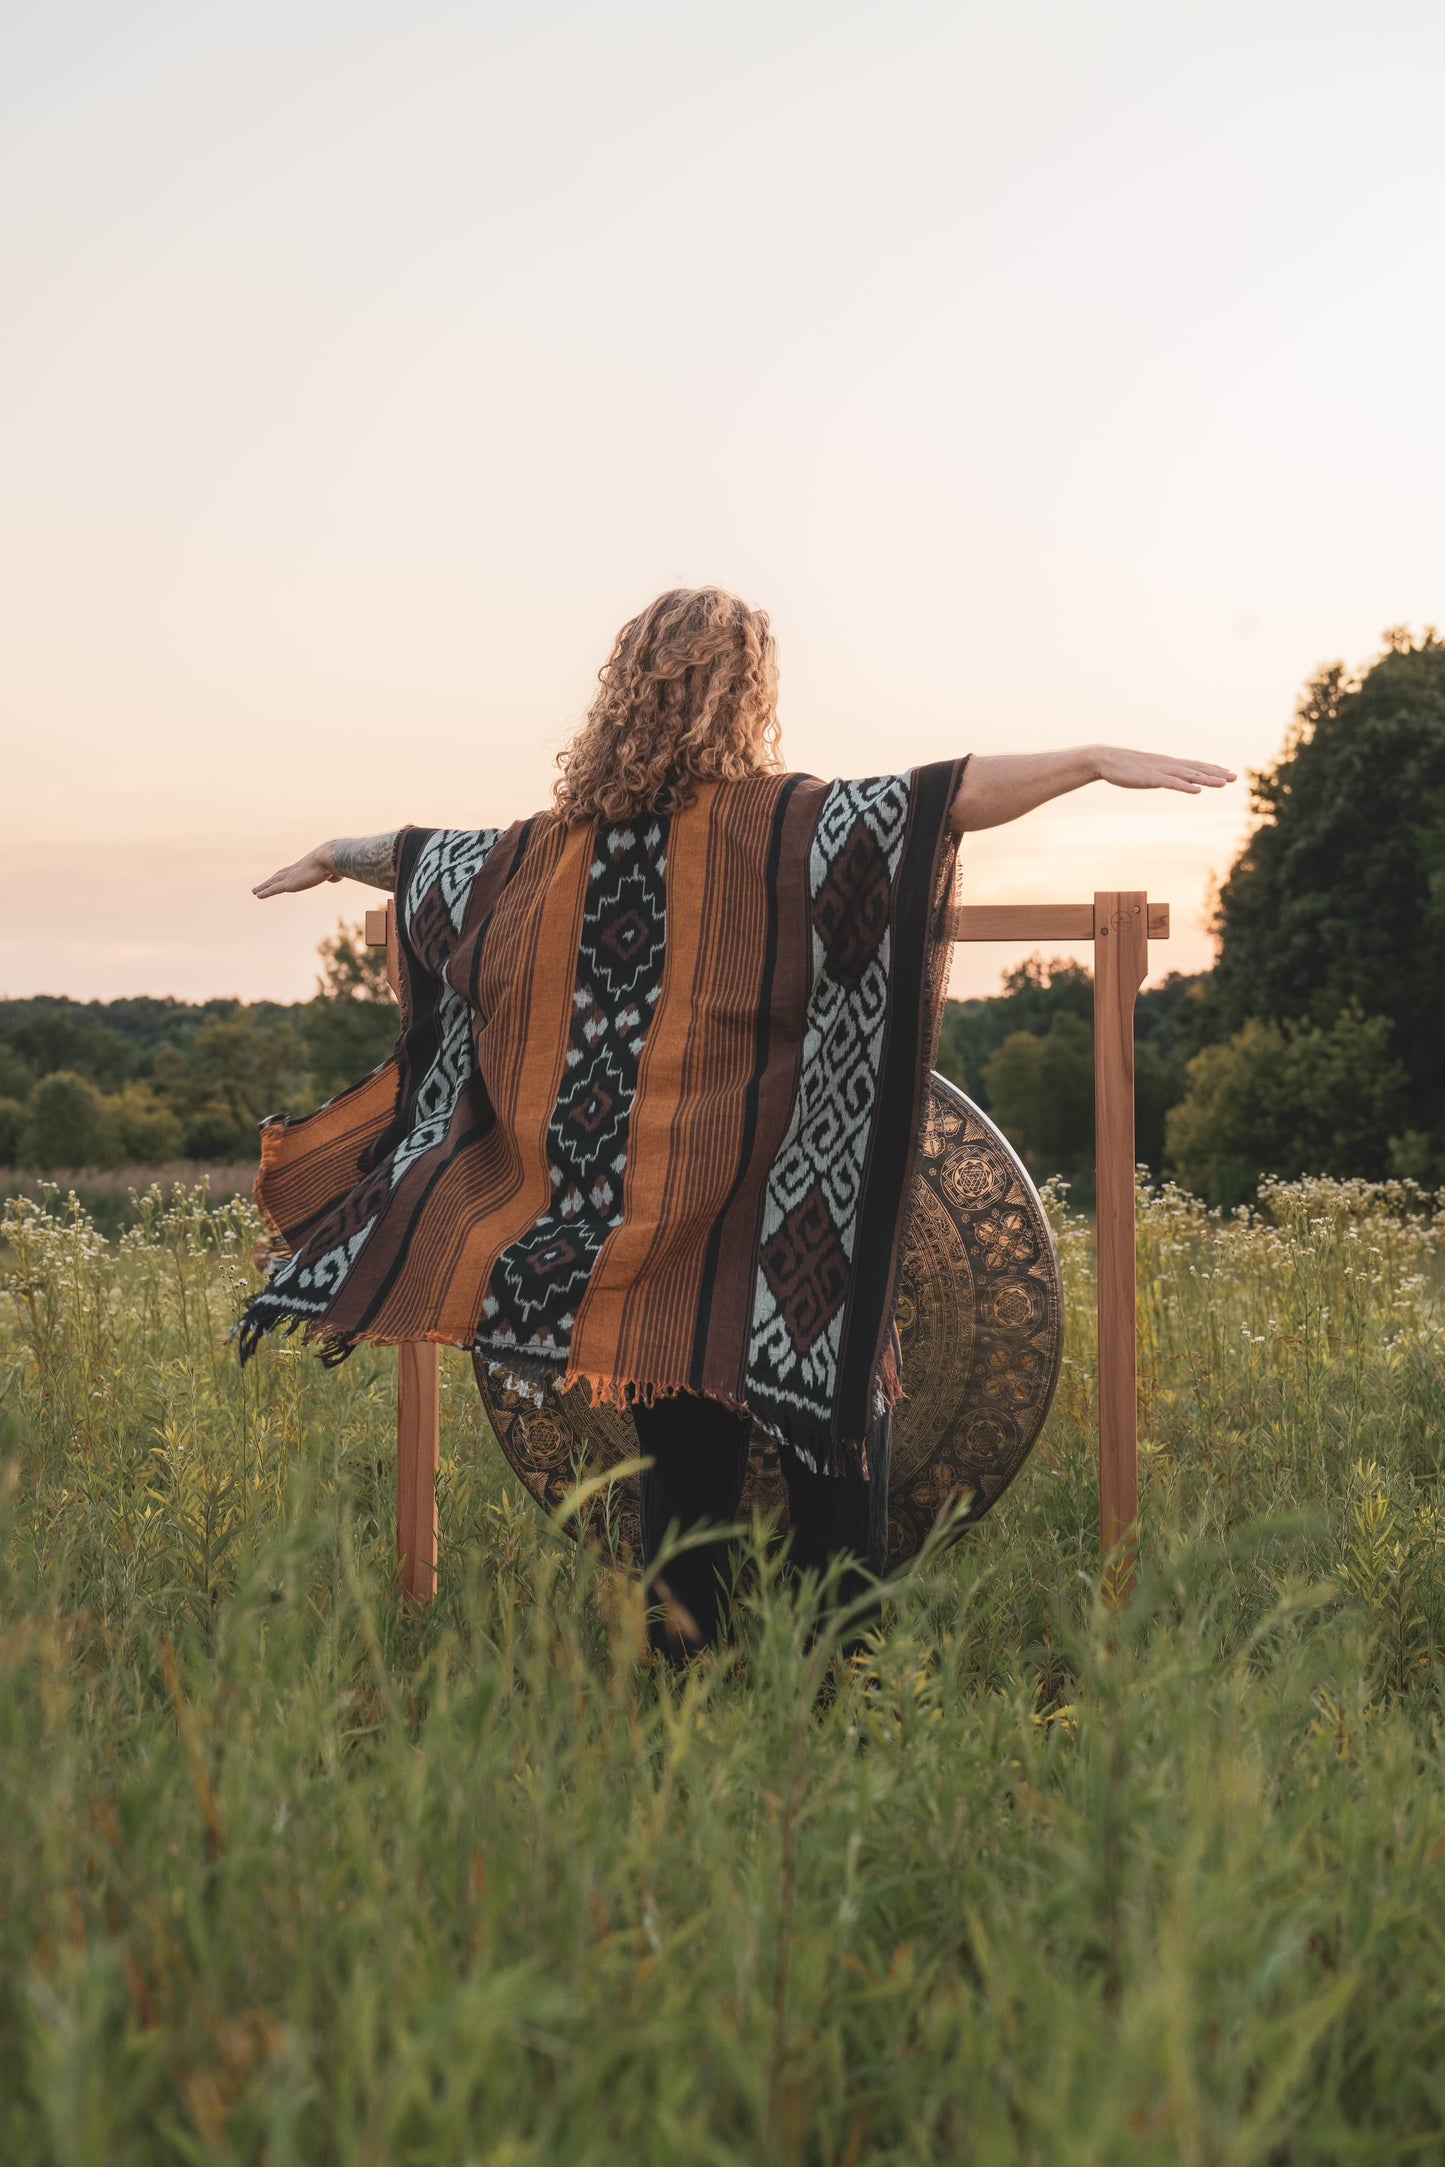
(324, 1279)
(297, 1289)
(453, 857)
(441, 1087)
(827, 1140)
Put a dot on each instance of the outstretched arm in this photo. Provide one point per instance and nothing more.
(1004, 785)
(345, 857)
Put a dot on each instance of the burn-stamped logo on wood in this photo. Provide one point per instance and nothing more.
(980, 1319)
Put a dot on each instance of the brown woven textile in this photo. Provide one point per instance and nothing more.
(652, 1116)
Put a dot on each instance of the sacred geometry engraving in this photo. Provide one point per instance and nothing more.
(973, 1178)
(980, 1321)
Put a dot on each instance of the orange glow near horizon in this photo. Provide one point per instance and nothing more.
(1051, 376)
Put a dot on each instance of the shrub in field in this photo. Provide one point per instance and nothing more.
(294, 1873)
(1026, 1057)
(144, 1131)
(65, 1123)
(1041, 1090)
(234, 1073)
(1281, 1099)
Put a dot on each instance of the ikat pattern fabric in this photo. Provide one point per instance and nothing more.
(305, 1286)
(538, 1280)
(652, 1116)
(810, 1212)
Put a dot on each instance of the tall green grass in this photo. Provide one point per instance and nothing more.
(289, 1874)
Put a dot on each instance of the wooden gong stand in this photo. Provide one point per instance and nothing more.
(1121, 923)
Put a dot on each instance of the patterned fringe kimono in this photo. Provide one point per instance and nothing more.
(651, 1119)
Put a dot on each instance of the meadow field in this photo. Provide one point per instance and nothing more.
(293, 1875)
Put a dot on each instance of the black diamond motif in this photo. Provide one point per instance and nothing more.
(624, 934)
(851, 908)
(593, 1111)
(807, 1269)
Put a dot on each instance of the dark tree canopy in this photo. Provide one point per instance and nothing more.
(1292, 1099)
(1026, 1057)
(1337, 901)
(142, 1081)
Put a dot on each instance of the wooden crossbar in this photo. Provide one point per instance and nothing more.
(1120, 922)
(1040, 921)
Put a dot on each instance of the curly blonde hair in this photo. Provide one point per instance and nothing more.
(689, 694)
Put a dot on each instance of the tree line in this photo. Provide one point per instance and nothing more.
(1317, 1042)
(1315, 1045)
(142, 1082)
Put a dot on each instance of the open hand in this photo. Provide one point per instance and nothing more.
(307, 872)
(1159, 771)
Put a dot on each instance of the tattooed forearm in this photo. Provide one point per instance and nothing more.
(364, 857)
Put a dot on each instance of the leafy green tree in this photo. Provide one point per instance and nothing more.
(145, 1131)
(1034, 993)
(1159, 1084)
(65, 1123)
(351, 969)
(16, 1076)
(1015, 1095)
(1048, 1101)
(234, 1074)
(352, 1023)
(1066, 1086)
(1176, 1019)
(1288, 1099)
(1041, 1093)
(12, 1131)
(1338, 899)
(49, 1033)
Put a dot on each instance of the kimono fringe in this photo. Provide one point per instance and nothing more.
(820, 1453)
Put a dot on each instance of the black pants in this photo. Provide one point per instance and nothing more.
(699, 1452)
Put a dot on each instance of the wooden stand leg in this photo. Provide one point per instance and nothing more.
(1121, 956)
(418, 1450)
(418, 1390)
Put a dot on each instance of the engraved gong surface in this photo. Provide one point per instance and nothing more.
(980, 1319)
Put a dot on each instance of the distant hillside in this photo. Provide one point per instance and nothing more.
(110, 1042)
(145, 1081)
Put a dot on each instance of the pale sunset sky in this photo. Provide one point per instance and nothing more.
(1051, 371)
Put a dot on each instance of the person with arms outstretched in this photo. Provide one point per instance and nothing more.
(651, 1120)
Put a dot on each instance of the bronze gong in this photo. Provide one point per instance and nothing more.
(980, 1318)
